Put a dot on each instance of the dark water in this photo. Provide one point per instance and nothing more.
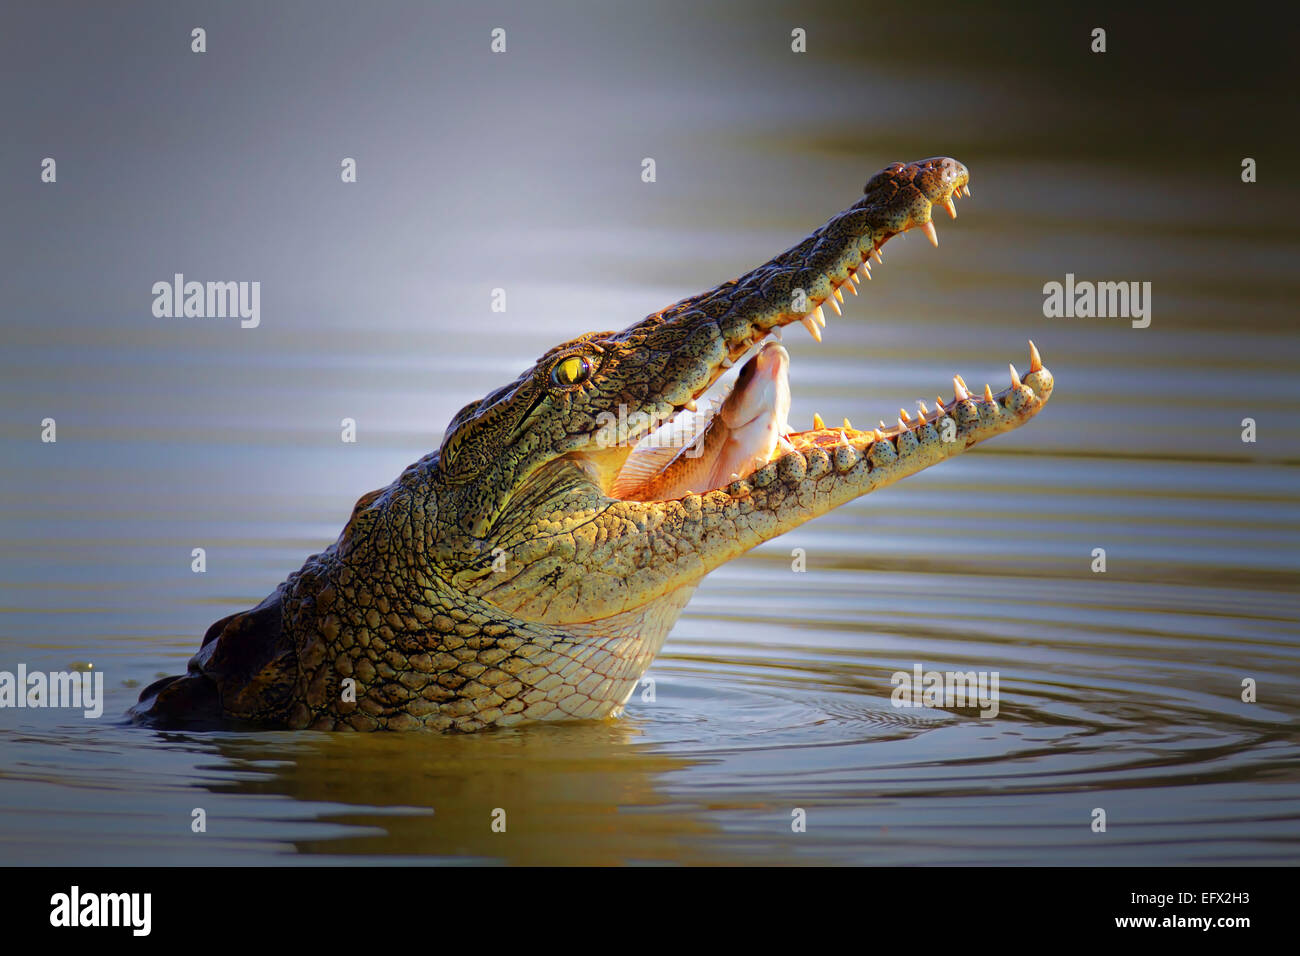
(1119, 690)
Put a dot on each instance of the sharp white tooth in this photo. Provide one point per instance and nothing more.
(939, 399)
(988, 393)
(784, 443)
(1015, 377)
(727, 362)
(966, 190)
(820, 316)
(839, 296)
(924, 411)
(844, 439)
(848, 424)
(811, 326)
(876, 252)
(931, 234)
(963, 382)
(1035, 363)
(776, 333)
(850, 286)
(818, 424)
(835, 305)
(902, 425)
(854, 277)
(950, 206)
(959, 390)
(902, 414)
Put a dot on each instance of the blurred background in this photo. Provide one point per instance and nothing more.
(522, 171)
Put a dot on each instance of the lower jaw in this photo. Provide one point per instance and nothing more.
(922, 438)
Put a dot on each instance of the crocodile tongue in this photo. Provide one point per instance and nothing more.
(698, 452)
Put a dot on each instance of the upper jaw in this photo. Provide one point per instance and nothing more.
(805, 280)
(708, 334)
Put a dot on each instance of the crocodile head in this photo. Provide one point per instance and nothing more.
(527, 471)
(499, 580)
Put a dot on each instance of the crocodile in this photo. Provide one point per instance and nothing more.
(497, 581)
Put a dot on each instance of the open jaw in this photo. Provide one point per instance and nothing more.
(918, 438)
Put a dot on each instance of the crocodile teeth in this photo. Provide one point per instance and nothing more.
(966, 190)
(838, 294)
(940, 401)
(958, 389)
(879, 258)
(728, 362)
(883, 426)
(924, 411)
(811, 326)
(848, 424)
(854, 277)
(876, 436)
(951, 207)
(931, 234)
(820, 316)
(776, 333)
(1035, 363)
(988, 393)
(691, 406)
(850, 286)
(835, 305)
(844, 439)
(818, 424)
(902, 425)
(963, 383)
(903, 416)
(1015, 376)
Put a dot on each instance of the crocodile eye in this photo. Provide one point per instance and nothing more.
(573, 370)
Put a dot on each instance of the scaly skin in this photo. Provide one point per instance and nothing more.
(495, 582)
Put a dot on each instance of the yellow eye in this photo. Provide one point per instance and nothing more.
(573, 370)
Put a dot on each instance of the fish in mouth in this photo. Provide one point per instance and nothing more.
(699, 451)
(531, 568)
